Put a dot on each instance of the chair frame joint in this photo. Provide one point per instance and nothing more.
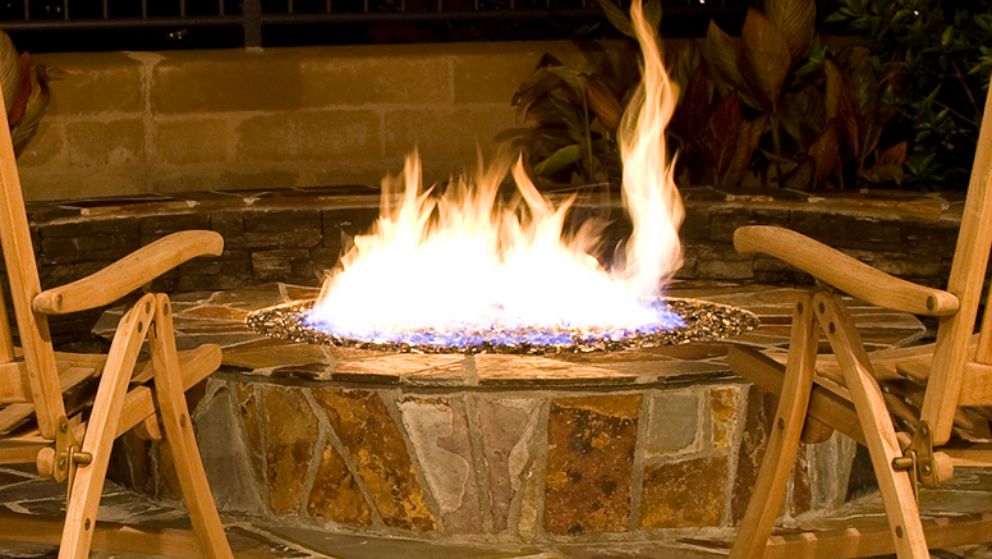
(68, 455)
(918, 458)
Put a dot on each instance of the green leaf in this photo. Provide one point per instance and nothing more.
(836, 17)
(882, 174)
(824, 153)
(723, 131)
(796, 21)
(559, 160)
(573, 78)
(895, 155)
(721, 53)
(801, 176)
(947, 36)
(617, 18)
(803, 114)
(767, 56)
(603, 103)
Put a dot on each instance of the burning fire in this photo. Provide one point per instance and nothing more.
(465, 269)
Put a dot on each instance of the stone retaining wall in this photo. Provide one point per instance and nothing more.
(294, 235)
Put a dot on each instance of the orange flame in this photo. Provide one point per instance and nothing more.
(463, 265)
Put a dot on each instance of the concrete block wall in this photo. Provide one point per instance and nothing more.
(134, 123)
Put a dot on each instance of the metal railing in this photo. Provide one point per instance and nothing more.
(251, 18)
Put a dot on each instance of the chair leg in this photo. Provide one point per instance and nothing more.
(895, 486)
(87, 486)
(179, 434)
(783, 444)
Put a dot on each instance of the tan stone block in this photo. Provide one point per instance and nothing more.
(337, 134)
(371, 77)
(290, 435)
(265, 138)
(492, 77)
(674, 425)
(222, 176)
(46, 145)
(723, 408)
(48, 183)
(684, 494)
(445, 134)
(375, 444)
(590, 463)
(335, 494)
(251, 422)
(309, 135)
(227, 82)
(486, 75)
(192, 140)
(346, 171)
(113, 142)
(94, 83)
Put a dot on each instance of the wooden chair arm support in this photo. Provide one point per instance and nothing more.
(129, 273)
(844, 272)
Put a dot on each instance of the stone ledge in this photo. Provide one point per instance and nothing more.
(295, 235)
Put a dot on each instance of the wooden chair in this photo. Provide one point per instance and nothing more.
(70, 438)
(918, 410)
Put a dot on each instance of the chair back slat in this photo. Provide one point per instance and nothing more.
(22, 274)
(966, 280)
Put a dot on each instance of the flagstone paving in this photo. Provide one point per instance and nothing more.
(504, 499)
(253, 538)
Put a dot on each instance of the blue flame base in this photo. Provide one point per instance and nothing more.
(678, 321)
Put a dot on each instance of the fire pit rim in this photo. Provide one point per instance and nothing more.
(706, 322)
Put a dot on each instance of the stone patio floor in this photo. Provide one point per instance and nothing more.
(252, 538)
(256, 537)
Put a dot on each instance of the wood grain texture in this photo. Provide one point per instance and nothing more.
(896, 488)
(873, 541)
(824, 405)
(109, 536)
(129, 273)
(178, 427)
(968, 269)
(783, 444)
(80, 516)
(844, 272)
(22, 276)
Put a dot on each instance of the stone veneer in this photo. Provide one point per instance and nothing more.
(295, 234)
(514, 448)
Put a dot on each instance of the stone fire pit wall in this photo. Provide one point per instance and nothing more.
(526, 462)
(511, 447)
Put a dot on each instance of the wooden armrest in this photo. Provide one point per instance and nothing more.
(129, 273)
(844, 272)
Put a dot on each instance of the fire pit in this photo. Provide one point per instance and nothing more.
(692, 321)
(521, 448)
